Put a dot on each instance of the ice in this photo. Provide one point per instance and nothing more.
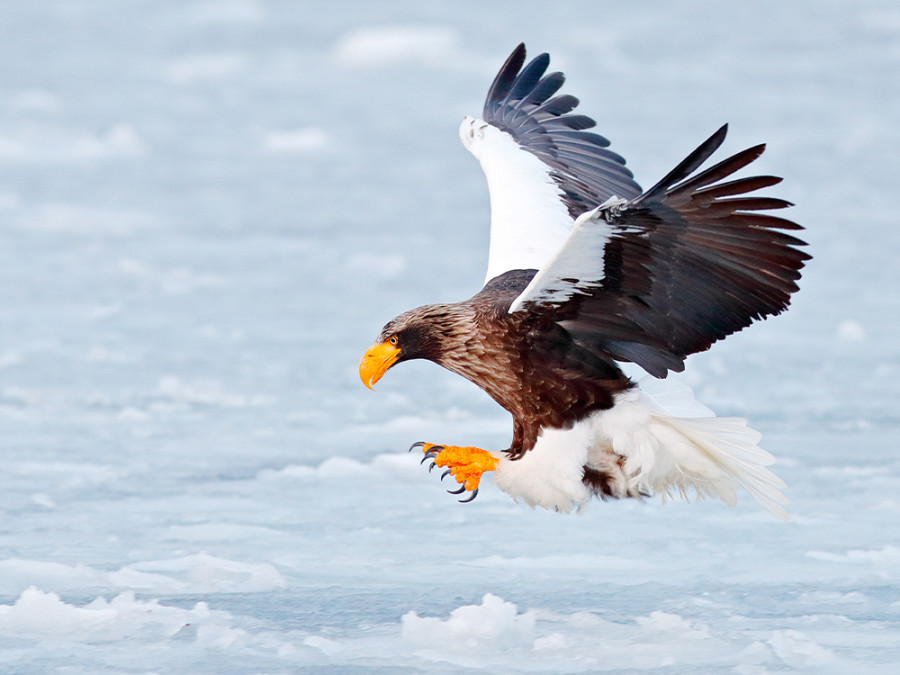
(888, 556)
(38, 143)
(796, 650)
(76, 219)
(208, 210)
(198, 68)
(295, 141)
(40, 615)
(851, 331)
(381, 46)
(186, 575)
(382, 266)
(226, 11)
(35, 100)
(204, 392)
(493, 624)
(201, 573)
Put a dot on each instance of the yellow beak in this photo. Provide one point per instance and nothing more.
(377, 359)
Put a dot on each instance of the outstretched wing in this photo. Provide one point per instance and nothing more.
(665, 275)
(543, 168)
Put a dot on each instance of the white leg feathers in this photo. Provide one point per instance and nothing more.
(550, 474)
(656, 439)
(673, 445)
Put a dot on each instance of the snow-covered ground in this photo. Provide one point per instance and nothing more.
(208, 210)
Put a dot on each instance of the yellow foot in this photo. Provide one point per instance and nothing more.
(465, 464)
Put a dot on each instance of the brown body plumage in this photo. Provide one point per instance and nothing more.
(524, 361)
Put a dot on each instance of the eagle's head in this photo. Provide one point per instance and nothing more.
(416, 334)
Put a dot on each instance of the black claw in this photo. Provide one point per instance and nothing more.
(466, 501)
(433, 452)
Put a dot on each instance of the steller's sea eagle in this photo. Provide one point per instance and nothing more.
(586, 272)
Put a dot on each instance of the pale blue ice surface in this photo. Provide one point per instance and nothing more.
(208, 210)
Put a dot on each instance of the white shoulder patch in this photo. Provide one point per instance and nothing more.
(578, 262)
(529, 221)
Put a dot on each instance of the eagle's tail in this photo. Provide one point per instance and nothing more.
(673, 445)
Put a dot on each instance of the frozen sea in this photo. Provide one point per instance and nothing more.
(208, 210)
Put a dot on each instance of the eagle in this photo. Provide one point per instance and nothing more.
(595, 291)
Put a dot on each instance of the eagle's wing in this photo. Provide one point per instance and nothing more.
(543, 169)
(664, 275)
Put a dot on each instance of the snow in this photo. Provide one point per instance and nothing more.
(383, 46)
(196, 68)
(207, 212)
(295, 141)
(32, 143)
(851, 331)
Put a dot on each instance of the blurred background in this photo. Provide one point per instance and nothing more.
(209, 209)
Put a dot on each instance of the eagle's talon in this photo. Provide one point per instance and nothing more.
(417, 444)
(465, 464)
(470, 497)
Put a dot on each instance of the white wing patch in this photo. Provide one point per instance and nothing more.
(529, 220)
(577, 263)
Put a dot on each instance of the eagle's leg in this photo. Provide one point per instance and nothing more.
(465, 464)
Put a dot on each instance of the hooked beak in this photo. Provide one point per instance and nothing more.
(377, 359)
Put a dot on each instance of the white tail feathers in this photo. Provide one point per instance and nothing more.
(672, 445)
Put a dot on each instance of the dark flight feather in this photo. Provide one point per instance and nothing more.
(687, 263)
(520, 102)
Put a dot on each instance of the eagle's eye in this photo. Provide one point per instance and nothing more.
(393, 340)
